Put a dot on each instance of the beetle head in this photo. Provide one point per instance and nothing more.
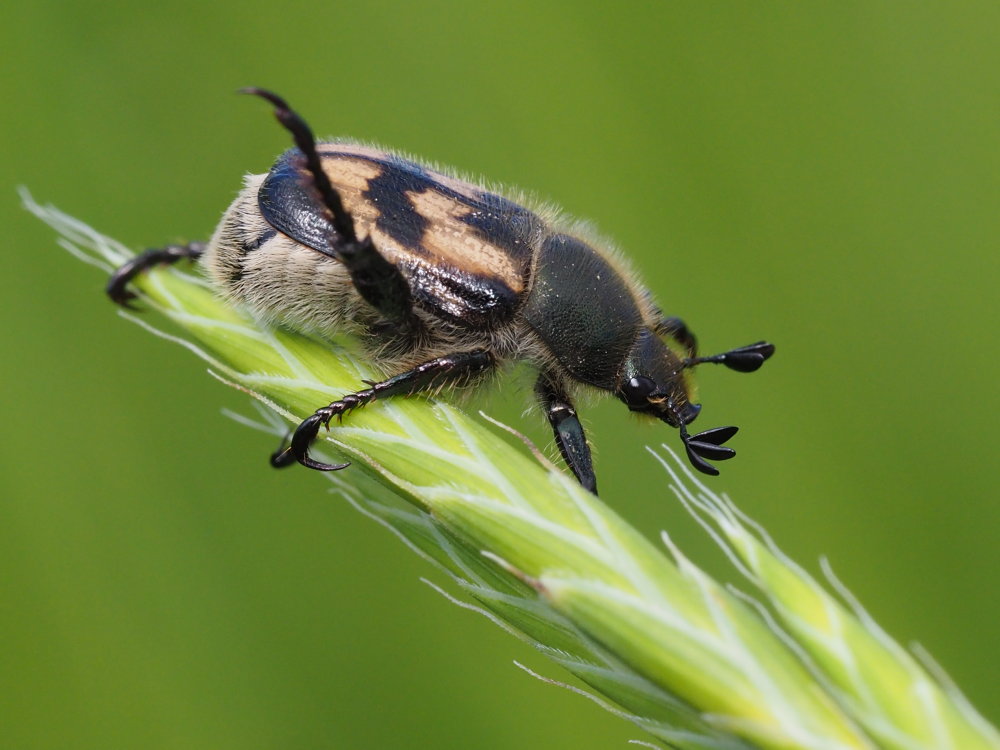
(653, 380)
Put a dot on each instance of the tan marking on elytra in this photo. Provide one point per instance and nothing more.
(350, 177)
(462, 187)
(448, 239)
(348, 173)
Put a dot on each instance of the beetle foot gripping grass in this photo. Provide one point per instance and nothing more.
(445, 282)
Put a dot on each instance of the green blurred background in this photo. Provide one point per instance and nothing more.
(826, 176)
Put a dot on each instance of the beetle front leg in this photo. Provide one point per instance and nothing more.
(117, 285)
(568, 431)
(430, 374)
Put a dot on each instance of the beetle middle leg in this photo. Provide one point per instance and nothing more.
(568, 430)
(430, 374)
(117, 287)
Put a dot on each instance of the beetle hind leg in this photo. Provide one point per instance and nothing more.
(117, 287)
(377, 280)
(445, 370)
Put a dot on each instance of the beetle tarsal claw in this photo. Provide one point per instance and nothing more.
(302, 438)
(320, 466)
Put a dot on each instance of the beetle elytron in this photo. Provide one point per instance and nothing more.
(445, 281)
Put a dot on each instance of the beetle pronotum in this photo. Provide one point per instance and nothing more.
(446, 281)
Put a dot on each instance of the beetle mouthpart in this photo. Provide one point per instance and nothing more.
(689, 412)
(743, 359)
(675, 415)
(708, 444)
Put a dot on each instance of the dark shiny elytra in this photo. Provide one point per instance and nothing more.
(397, 217)
(504, 223)
(492, 218)
(288, 203)
(467, 299)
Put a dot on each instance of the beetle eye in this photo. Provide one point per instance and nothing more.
(637, 390)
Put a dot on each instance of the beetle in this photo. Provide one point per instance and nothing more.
(446, 281)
